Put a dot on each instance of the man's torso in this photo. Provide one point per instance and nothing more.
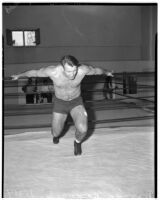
(66, 89)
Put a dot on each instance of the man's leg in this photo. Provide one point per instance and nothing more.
(58, 120)
(80, 119)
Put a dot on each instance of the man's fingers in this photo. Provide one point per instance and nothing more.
(14, 77)
(110, 74)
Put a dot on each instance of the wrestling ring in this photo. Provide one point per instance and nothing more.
(118, 157)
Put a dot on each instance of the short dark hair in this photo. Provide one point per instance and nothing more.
(71, 60)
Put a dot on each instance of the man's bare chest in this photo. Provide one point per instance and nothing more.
(62, 82)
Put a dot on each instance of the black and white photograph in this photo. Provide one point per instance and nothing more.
(79, 100)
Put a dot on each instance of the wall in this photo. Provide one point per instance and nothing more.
(115, 36)
(116, 66)
(148, 32)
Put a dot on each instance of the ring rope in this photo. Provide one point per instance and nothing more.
(38, 106)
(116, 74)
(48, 110)
(71, 123)
(83, 91)
(84, 83)
(133, 97)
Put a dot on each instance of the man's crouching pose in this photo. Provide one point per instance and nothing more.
(67, 76)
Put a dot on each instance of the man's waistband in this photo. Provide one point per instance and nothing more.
(69, 101)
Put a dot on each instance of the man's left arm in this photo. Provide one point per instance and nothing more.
(90, 70)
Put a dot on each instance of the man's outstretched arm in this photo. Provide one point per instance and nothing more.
(90, 70)
(43, 72)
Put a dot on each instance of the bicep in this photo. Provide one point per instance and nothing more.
(43, 72)
(94, 71)
(35, 73)
(47, 72)
(88, 70)
(91, 70)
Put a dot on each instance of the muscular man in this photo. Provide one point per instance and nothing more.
(67, 76)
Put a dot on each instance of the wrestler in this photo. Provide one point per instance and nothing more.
(67, 76)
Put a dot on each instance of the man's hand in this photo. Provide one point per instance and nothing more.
(110, 74)
(14, 77)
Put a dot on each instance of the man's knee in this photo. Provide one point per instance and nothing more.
(81, 132)
(55, 132)
(82, 128)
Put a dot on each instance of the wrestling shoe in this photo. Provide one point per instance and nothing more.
(77, 148)
(55, 140)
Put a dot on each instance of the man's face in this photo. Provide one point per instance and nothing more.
(70, 71)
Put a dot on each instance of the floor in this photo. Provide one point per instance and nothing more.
(116, 162)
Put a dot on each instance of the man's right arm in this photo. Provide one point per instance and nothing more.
(43, 72)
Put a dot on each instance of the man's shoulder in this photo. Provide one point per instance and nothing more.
(54, 69)
(83, 68)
